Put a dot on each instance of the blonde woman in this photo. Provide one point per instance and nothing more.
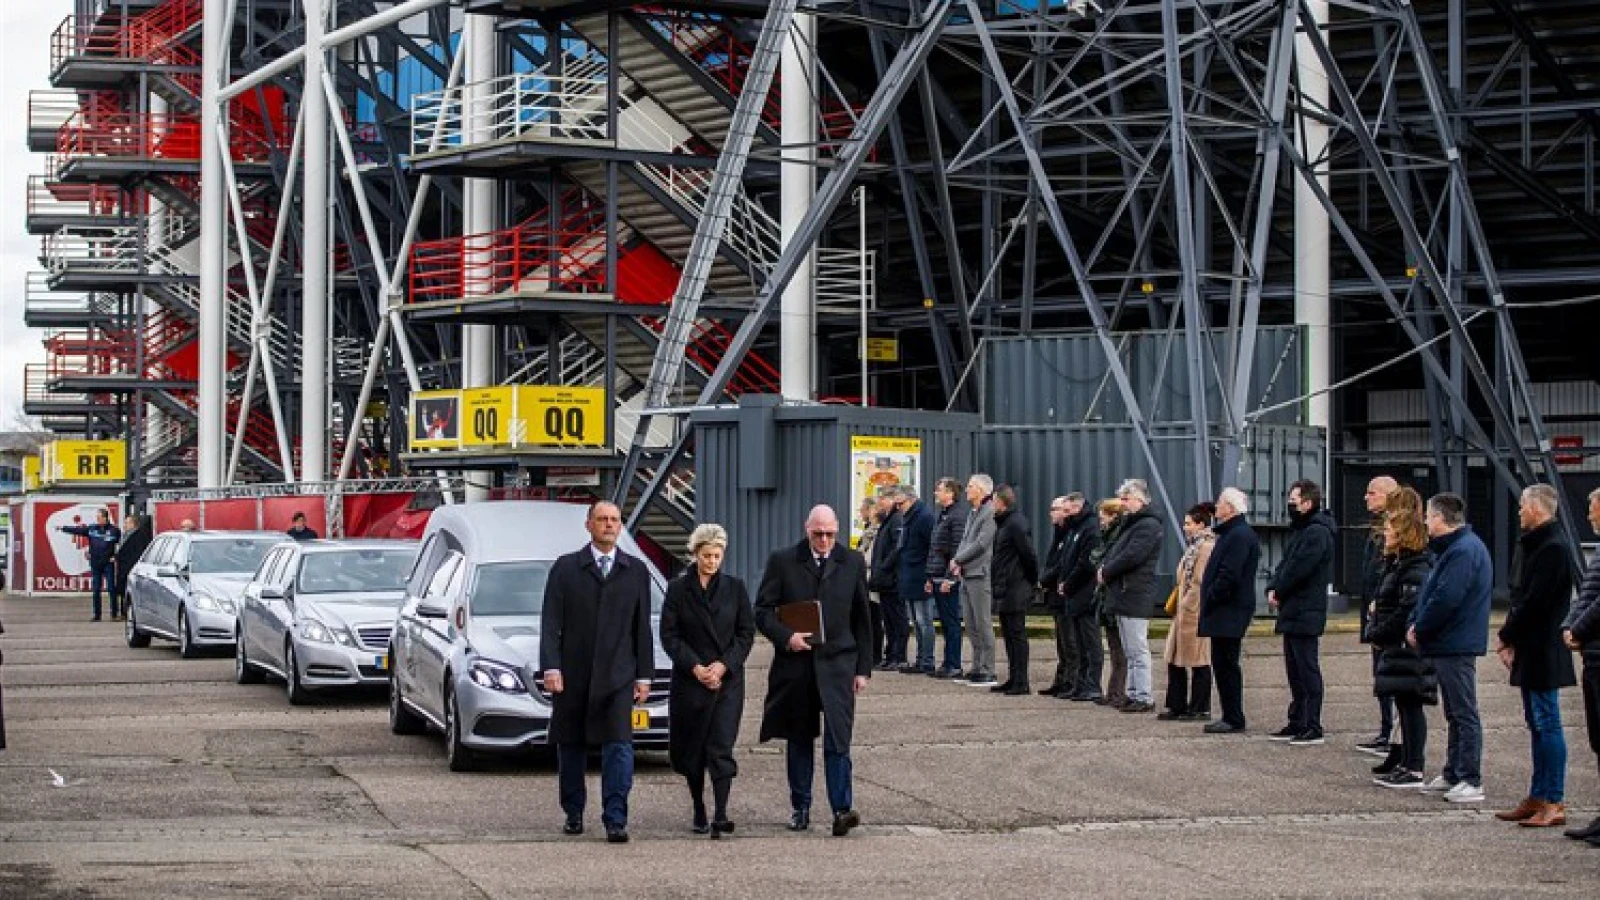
(1188, 654)
(707, 628)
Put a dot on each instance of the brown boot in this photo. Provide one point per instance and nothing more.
(1525, 810)
(1553, 815)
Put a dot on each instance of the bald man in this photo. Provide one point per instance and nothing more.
(1378, 491)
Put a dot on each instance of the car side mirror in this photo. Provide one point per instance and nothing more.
(268, 592)
(430, 611)
(166, 570)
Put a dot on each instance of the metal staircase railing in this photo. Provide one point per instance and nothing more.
(569, 107)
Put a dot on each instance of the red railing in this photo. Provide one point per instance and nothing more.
(709, 343)
(151, 136)
(149, 37)
(566, 259)
(87, 352)
(47, 197)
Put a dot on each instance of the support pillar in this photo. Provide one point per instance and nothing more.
(211, 401)
(797, 187)
(314, 339)
(480, 214)
(1312, 304)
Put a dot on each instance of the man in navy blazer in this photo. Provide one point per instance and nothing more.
(1228, 603)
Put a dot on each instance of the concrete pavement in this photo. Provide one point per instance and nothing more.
(181, 784)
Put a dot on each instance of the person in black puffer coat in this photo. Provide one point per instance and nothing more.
(1403, 675)
(1015, 572)
(1372, 568)
(1298, 593)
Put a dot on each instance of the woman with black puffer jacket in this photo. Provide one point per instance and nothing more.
(1403, 675)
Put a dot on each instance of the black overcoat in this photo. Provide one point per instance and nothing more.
(821, 681)
(1541, 593)
(1016, 566)
(701, 626)
(1302, 577)
(128, 552)
(1228, 587)
(2, 698)
(597, 633)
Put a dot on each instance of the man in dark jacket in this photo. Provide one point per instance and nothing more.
(102, 538)
(136, 537)
(1228, 603)
(1077, 577)
(945, 589)
(299, 530)
(1581, 632)
(809, 680)
(1128, 571)
(1015, 572)
(971, 563)
(1372, 565)
(1529, 644)
(1062, 534)
(1298, 593)
(1450, 625)
(598, 658)
(885, 580)
(916, 537)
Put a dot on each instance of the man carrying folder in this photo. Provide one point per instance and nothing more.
(816, 674)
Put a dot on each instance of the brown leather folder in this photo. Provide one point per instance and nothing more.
(804, 616)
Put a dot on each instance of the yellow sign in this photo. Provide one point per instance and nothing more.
(75, 462)
(878, 462)
(436, 420)
(883, 350)
(488, 417)
(30, 473)
(564, 416)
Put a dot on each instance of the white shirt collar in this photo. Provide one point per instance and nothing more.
(595, 552)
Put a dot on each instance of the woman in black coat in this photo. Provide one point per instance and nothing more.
(707, 628)
(1015, 571)
(1402, 674)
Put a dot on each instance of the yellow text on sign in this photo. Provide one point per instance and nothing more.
(488, 417)
(564, 416)
(99, 461)
(883, 350)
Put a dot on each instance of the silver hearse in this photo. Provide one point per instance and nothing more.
(465, 655)
(186, 587)
(318, 614)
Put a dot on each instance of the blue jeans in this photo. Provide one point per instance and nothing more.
(1458, 692)
(1542, 710)
(103, 577)
(920, 606)
(801, 756)
(616, 780)
(950, 620)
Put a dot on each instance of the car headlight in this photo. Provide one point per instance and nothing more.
(486, 673)
(315, 631)
(213, 604)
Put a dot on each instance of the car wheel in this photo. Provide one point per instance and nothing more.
(136, 636)
(244, 672)
(292, 688)
(459, 758)
(186, 647)
(401, 719)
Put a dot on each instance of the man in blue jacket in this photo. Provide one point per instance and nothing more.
(916, 537)
(103, 538)
(1228, 602)
(1450, 626)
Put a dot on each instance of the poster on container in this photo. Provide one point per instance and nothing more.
(436, 420)
(60, 561)
(877, 462)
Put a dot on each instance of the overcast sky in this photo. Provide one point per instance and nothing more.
(24, 66)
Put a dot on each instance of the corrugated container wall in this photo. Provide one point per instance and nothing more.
(811, 456)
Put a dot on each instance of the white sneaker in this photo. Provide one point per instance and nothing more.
(1465, 793)
(1438, 785)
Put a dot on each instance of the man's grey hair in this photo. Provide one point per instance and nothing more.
(1543, 496)
(1236, 499)
(1135, 487)
(906, 491)
(984, 483)
(1074, 497)
(1450, 509)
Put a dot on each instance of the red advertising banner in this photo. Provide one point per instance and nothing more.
(170, 514)
(240, 514)
(61, 560)
(377, 515)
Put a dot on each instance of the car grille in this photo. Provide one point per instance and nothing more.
(375, 636)
(660, 685)
(506, 726)
(372, 672)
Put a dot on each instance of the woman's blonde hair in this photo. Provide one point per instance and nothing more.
(1111, 507)
(708, 533)
(1402, 512)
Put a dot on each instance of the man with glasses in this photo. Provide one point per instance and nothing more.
(816, 676)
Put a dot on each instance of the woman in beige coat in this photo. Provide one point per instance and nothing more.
(1188, 654)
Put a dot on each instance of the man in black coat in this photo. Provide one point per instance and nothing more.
(1015, 572)
(1061, 537)
(299, 530)
(946, 591)
(1228, 603)
(1128, 571)
(135, 538)
(598, 659)
(885, 579)
(1077, 577)
(1372, 566)
(916, 538)
(1298, 593)
(813, 680)
(1581, 632)
(1530, 645)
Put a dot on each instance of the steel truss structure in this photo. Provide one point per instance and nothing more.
(258, 252)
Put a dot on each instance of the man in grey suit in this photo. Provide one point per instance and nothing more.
(971, 565)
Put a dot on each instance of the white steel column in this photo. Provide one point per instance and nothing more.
(479, 214)
(1312, 303)
(314, 260)
(797, 186)
(211, 401)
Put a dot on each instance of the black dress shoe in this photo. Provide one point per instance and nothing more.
(844, 821)
(573, 826)
(800, 820)
(1000, 688)
(1223, 727)
(1585, 832)
(720, 828)
(1017, 690)
(1169, 715)
(616, 834)
(1053, 690)
(1085, 698)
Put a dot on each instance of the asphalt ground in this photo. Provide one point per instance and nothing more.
(176, 783)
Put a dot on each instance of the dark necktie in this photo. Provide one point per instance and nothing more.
(605, 567)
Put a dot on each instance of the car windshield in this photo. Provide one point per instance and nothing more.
(239, 555)
(510, 588)
(356, 570)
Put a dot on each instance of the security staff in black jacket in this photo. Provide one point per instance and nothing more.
(885, 579)
(1372, 568)
(1228, 603)
(103, 538)
(1298, 593)
(1015, 572)
(1062, 510)
(1077, 589)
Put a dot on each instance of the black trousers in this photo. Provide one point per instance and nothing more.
(1413, 733)
(896, 627)
(1386, 704)
(1591, 704)
(877, 633)
(1066, 654)
(1089, 654)
(1189, 690)
(1225, 653)
(1014, 631)
(1304, 670)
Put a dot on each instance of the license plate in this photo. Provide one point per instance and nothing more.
(641, 719)
(381, 662)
